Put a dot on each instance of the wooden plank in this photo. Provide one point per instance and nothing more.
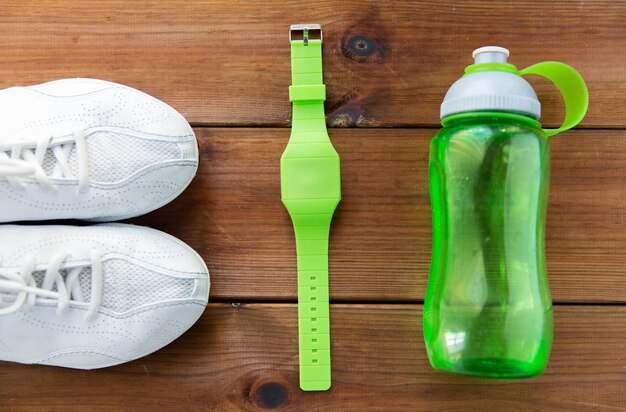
(245, 358)
(227, 62)
(380, 239)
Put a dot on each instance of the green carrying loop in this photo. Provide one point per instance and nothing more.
(572, 88)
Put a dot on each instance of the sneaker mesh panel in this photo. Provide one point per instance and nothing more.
(127, 286)
(114, 157)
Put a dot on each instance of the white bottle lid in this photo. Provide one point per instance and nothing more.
(496, 90)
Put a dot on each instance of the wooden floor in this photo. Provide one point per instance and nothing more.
(225, 65)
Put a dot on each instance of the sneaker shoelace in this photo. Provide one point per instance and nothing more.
(25, 160)
(23, 284)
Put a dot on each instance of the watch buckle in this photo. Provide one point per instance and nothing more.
(305, 32)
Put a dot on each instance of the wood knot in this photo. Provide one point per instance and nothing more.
(349, 115)
(271, 395)
(362, 48)
(341, 119)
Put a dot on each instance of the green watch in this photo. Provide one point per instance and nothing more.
(311, 190)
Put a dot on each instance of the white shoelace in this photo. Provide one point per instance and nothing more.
(68, 289)
(25, 160)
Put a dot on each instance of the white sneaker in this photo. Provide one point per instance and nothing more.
(92, 297)
(90, 149)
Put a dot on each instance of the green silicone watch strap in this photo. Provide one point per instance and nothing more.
(311, 190)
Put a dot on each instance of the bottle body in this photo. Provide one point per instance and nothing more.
(487, 310)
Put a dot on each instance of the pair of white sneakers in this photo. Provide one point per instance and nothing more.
(93, 296)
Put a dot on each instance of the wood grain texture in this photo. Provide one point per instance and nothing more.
(386, 63)
(380, 238)
(245, 358)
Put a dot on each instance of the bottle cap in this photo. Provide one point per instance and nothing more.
(491, 84)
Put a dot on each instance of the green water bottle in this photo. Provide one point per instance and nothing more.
(487, 310)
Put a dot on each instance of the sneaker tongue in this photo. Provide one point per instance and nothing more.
(84, 282)
(50, 162)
